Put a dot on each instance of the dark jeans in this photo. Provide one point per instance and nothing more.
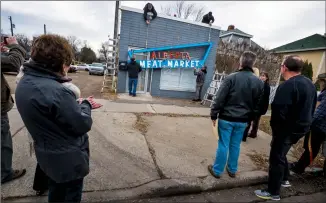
(41, 180)
(278, 163)
(254, 129)
(317, 139)
(65, 192)
(6, 148)
(199, 88)
(133, 86)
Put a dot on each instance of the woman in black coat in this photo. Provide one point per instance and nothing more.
(263, 109)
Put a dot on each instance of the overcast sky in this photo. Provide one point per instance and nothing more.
(272, 23)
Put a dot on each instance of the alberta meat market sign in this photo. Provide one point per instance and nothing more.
(169, 60)
(162, 57)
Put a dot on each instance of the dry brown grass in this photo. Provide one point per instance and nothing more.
(141, 124)
(264, 124)
(259, 159)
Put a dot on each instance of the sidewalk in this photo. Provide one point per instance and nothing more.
(145, 150)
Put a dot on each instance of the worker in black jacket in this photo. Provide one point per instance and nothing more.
(12, 57)
(208, 18)
(149, 13)
(133, 70)
(292, 114)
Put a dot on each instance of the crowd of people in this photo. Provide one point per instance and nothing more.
(243, 98)
(58, 118)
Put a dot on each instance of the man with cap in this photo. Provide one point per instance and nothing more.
(133, 70)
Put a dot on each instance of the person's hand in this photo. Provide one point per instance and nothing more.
(214, 122)
(11, 40)
(93, 103)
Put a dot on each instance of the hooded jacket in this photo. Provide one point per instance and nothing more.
(57, 123)
(147, 11)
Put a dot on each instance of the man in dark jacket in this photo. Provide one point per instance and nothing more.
(292, 111)
(208, 18)
(149, 13)
(57, 123)
(10, 62)
(236, 103)
(200, 79)
(133, 70)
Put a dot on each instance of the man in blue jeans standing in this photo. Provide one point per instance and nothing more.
(237, 102)
(133, 69)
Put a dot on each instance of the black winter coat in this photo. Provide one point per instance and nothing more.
(239, 97)
(265, 101)
(56, 122)
(133, 69)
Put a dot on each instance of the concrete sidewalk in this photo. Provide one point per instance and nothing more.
(143, 150)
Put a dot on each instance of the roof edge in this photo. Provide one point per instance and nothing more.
(300, 50)
(136, 10)
(236, 33)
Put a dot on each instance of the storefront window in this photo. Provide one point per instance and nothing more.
(179, 79)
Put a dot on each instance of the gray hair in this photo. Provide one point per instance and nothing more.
(248, 59)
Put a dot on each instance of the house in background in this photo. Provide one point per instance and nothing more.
(233, 34)
(312, 48)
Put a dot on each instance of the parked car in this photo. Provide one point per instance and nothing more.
(96, 69)
(72, 69)
(83, 67)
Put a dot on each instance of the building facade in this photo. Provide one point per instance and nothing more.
(168, 49)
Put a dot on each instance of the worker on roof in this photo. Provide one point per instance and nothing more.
(208, 18)
(149, 13)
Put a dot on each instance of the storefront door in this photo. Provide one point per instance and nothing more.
(142, 77)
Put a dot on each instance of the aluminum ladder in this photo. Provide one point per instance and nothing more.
(213, 88)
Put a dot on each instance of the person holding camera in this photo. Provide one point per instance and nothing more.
(12, 57)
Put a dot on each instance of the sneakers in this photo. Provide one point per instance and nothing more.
(263, 194)
(232, 175)
(286, 183)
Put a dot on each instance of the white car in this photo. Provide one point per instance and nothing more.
(83, 67)
(96, 69)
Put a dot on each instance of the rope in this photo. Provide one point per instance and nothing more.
(310, 149)
(146, 36)
(209, 34)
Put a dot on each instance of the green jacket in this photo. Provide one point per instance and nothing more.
(10, 62)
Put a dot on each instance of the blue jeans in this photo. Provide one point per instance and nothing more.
(6, 149)
(228, 150)
(133, 86)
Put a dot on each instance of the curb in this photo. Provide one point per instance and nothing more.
(165, 187)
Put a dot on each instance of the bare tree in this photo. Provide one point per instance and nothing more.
(185, 10)
(75, 43)
(228, 55)
(104, 50)
(24, 41)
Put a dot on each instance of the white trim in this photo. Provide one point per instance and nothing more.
(236, 33)
(230, 38)
(321, 63)
(300, 50)
(171, 18)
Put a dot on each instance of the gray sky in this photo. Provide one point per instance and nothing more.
(272, 23)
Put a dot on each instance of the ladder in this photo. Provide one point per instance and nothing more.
(109, 80)
(213, 88)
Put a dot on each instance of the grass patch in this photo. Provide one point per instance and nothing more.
(260, 160)
(264, 124)
(141, 124)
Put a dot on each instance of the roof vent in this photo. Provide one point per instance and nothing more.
(231, 27)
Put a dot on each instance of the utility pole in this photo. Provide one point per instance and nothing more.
(12, 26)
(44, 29)
(116, 21)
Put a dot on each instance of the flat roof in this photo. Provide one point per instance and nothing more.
(171, 18)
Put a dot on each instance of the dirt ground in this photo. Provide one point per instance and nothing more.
(88, 84)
